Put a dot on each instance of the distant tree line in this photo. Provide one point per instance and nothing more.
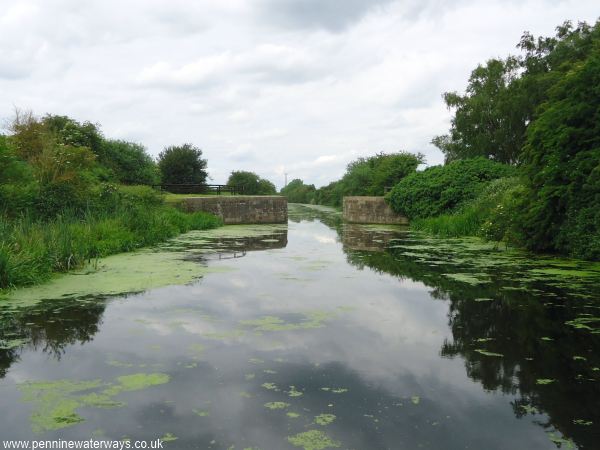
(364, 176)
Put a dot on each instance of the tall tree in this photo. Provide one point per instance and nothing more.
(250, 183)
(182, 164)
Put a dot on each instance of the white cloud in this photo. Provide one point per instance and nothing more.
(285, 86)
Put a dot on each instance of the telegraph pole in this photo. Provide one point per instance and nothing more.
(285, 179)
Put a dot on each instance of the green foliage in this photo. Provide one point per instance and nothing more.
(17, 185)
(541, 110)
(182, 164)
(503, 96)
(369, 176)
(129, 162)
(443, 189)
(250, 183)
(331, 194)
(490, 215)
(561, 211)
(68, 131)
(298, 192)
(490, 119)
(55, 211)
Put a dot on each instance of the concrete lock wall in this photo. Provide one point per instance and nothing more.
(241, 209)
(370, 210)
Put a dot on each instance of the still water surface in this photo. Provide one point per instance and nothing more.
(315, 335)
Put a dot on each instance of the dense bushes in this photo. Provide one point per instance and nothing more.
(442, 189)
(562, 166)
(540, 111)
(488, 215)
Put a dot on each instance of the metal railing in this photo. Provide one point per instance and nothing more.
(217, 189)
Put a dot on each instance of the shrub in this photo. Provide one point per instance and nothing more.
(443, 189)
(490, 215)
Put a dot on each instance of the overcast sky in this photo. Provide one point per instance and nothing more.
(272, 86)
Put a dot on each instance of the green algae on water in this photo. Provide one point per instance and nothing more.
(339, 390)
(276, 405)
(270, 386)
(324, 419)
(201, 413)
(169, 437)
(115, 275)
(292, 415)
(544, 381)
(313, 440)
(312, 319)
(294, 393)
(57, 402)
(415, 399)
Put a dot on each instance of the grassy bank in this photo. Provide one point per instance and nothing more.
(32, 250)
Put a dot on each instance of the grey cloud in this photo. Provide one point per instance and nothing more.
(332, 15)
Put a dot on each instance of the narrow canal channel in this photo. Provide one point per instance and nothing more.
(313, 335)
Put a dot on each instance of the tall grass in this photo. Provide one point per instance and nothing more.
(31, 249)
(476, 218)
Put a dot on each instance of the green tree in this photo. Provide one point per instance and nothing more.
(71, 132)
(330, 194)
(182, 164)
(265, 187)
(504, 96)
(250, 183)
(491, 118)
(562, 164)
(298, 192)
(130, 163)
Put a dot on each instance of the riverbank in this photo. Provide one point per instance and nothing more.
(31, 251)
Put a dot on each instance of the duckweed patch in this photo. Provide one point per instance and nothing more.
(311, 319)
(324, 419)
(339, 390)
(169, 437)
(313, 440)
(544, 381)
(115, 275)
(276, 405)
(294, 393)
(57, 402)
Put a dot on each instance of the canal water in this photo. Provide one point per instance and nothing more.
(312, 335)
